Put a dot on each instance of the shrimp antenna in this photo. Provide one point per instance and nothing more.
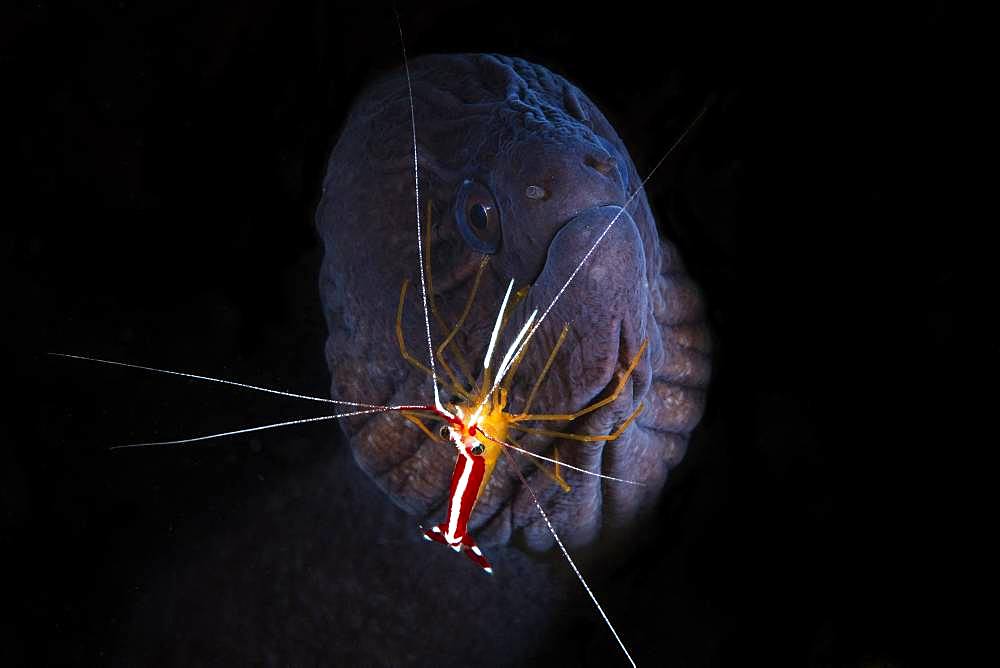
(614, 220)
(241, 431)
(559, 463)
(562, 547)
(416, 191)
(368, 411)
(221, 380)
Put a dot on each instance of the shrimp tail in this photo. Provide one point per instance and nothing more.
(467, 545)
(435, 533)
(473, 552)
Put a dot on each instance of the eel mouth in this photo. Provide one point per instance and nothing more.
(607, 309)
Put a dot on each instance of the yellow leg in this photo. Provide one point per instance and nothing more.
(402, 343)
(462, 362)
(412, 417)
(545, 370)
(557, 475)
(511, 374)
(594, 406)
(590, 438)
(554, 476)
(461, 320)
(516, 299)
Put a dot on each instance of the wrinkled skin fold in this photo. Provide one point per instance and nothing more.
(507, 125)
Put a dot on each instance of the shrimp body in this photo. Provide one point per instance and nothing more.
(478, 445)
(467, 482)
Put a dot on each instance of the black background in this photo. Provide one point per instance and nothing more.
(169, 158)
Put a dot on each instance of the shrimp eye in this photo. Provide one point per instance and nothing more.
(444, 432)
(478, 217)
(478, 449)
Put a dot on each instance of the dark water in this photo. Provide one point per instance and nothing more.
(169, 162)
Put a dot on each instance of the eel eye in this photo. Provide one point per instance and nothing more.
(444, 432)
(478, 217)
(478, 449)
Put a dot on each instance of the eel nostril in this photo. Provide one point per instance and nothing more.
(604, 164)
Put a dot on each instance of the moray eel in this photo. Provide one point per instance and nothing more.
(518, 164)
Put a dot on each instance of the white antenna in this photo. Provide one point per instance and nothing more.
(420, 243)
(559, 463)
(220, 380)
(562, 547)
(496, 327)
(246, 430)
